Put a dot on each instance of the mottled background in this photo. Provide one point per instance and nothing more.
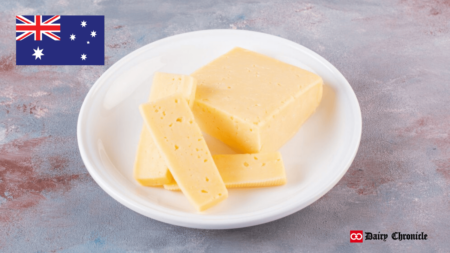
(395, 54)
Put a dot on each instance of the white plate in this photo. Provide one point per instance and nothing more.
(109, 125)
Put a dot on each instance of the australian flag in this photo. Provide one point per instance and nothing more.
(60, 40)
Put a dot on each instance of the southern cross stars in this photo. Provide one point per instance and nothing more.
(38, 53)
(93, 34)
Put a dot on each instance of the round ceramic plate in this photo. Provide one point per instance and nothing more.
(109, 126)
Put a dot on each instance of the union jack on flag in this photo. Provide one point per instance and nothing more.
(38, 27)
(60, 40)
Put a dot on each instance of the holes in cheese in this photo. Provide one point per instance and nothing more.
(186, 169)
(254, 173)
(149, 167)
(266, 106)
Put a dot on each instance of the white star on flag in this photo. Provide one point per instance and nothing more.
(88, 42)
(93, 33)
(38, 53)
(83, 57)
(72, 36)
(83, 23)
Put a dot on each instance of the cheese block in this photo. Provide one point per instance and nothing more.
(181, 144)
(149, 167)
(247, 170)
(252, 102)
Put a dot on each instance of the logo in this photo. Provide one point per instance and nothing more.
(356, 236)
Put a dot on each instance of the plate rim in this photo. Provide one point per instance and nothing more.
(269, 214)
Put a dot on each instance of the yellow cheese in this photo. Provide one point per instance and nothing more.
(165, 85)
(149, 167)
(247, 170)
(181, 144)
(252, 102)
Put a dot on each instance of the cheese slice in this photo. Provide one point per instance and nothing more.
(149, 167)
(252, 102)
(247, 170)
(165, 85)
(181, 144)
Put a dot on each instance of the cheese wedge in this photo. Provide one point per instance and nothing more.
(149, 167)
(252, 102)
(247, 170)
(181, 144)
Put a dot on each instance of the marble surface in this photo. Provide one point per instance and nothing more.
(395, 54)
